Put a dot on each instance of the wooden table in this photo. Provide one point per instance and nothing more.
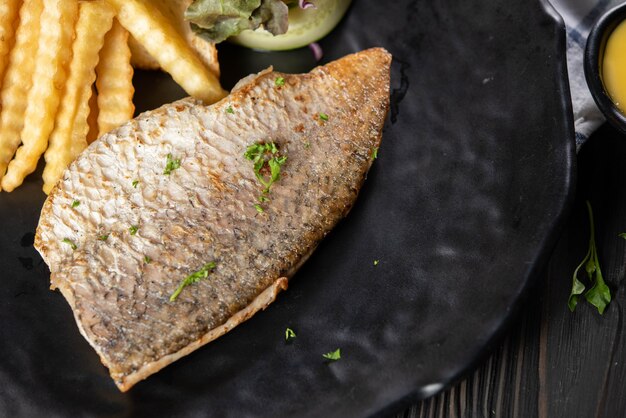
(554, 363)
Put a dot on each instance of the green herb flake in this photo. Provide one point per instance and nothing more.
(599, 295)
(71, 243)
(75, 203)
(171, 165)
(259, 208)
(279, 82)
(230, 110)
(133, 229)
(203, 273)
(324, 117)
(333, 355)
(103, 237)
(289, 334)
(147, 259)
(135, 183)
(267, 163)
(374, 153)
(376, 262)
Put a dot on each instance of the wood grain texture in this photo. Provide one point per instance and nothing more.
(555, 363)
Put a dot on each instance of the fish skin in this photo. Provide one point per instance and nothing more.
(204, 210)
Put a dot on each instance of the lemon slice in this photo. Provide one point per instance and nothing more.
(305, 26)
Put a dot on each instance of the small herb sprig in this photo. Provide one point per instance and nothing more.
(171, 164)
(289, 334)
(599, 295)
(203, 273)
(267, 163)
(71, 243)
(333, 355)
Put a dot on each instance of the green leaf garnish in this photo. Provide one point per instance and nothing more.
(230, 110)
(135, 183)
(622, 235)
(171, 165)
(279, 82)
(216, 20)
(75, 203)
(333, 355)
(324, 117)
(259, 208)
(147, 259)
(103, 237)
(599, 295)
(133, 229)
(203, 273)
(70, 243)
(289, 334)
(374, 153)
(267, 165)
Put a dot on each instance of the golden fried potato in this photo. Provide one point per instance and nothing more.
(51, 64)
(69, 137)
(18, 80)
(114, 81)
(8, 22)
(161, 39)
(174, 11)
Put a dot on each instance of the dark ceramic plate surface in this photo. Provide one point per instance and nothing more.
(461, 208)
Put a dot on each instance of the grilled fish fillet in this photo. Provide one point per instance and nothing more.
(204, 210)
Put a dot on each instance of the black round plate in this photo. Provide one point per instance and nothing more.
(461, 208)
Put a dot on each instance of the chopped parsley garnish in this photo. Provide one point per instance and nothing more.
(103, 237)
(230, 110)
(307, 144)
(324, 117)
(333, 355)
(135, 183)
(171, 165)
(279, 82)
(147, 259)
(376, 262)
(289, 334)
(133, 229)
(70, 243)
(259, 208)
(267, 162)
(599, 295)
(75, 203)
(374, 153)
(203, 273)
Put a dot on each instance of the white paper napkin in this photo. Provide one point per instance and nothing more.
(579, 17)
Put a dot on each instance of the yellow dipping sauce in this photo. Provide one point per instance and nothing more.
(614, 66)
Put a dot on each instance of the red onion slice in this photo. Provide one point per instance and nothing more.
(318, 53)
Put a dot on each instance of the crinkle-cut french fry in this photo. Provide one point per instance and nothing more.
(92, 119)
(161, 39)
(53, 56)
(114, 81)
(8, 22)
(174, 11)
(69, 136)
(18, 80)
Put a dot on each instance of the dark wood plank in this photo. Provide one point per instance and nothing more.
(555, 363)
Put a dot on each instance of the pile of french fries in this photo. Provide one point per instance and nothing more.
(66, 77)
